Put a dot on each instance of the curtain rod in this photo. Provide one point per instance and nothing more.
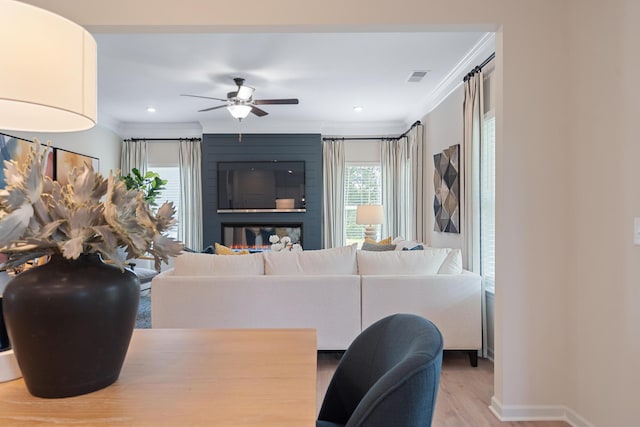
(375, 138)
(162, 139)
(478, 68)
(16, 137)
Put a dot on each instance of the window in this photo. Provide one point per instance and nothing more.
(488, 188)
(171, 193)
(362, 187)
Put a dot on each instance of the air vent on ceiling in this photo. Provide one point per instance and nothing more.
(417, 76)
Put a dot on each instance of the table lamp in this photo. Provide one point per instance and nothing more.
(369, 215)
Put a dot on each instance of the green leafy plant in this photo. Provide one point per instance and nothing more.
(90, 214)
(150, 184)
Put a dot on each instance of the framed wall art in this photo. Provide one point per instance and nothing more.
(446, 182)
(67, 160)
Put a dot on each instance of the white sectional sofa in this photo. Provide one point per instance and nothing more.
(338, 292)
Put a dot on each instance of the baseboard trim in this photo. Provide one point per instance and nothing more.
(536, 413)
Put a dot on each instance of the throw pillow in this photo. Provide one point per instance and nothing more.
(196, 264)
(415, 248)
(423, 262)
(332, 261)
(401, 243)
(386, 241)
(223, 250)
(453, 263)
(366, 246)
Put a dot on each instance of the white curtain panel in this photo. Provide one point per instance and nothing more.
(190, 217)
(472, 108)
(419, 182)
(397, 188)
(333, 193)
(133, 155)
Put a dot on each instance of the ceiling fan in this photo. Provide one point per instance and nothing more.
(240, 102)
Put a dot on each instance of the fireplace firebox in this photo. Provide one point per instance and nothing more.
(255, 237)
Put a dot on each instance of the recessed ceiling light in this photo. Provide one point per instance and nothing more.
(151, 110)
(358, 108)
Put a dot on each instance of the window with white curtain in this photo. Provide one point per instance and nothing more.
(363, 186)
(488, 187)
(171, 193)
(162, 158)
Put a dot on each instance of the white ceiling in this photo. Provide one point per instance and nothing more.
(329, 73)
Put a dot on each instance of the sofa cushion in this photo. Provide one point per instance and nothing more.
(452, 264)
(195, 264)
(341, 260)
(423, 262)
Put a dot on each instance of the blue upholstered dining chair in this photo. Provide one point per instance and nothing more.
(388, 377)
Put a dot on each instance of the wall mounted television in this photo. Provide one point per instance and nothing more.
(261, 186)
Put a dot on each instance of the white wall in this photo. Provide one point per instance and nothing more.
(566, 269)
(97, 142)
(443, 129)
(604, 320)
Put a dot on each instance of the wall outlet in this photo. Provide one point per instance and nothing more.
(636, 231)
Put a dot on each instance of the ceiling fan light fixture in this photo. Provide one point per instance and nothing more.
(239, 111)
(244, 93)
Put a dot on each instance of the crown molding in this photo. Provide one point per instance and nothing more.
(108, 122)
(229, 125)
(161, 130)
(478, 53)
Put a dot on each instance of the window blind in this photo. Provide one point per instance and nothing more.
(171, 193)
(362, 187)
(487, 201)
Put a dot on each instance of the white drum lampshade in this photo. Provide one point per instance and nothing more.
(48, 70)
(369, 215)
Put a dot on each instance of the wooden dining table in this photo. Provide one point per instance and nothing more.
(190, 377)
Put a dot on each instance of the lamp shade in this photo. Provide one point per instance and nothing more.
(48, 71)
(369, 214)
(239, 111)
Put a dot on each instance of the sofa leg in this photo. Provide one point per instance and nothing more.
(473, 358)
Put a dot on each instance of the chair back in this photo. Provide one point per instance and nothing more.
(388, 376)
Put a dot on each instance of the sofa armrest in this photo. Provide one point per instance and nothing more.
(452, 302)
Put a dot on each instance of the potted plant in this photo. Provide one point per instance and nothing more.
(70, 320)
(150, 184)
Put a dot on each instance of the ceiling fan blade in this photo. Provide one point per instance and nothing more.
(258, 112)
(205, 97)
(212, 108)
(275, 101)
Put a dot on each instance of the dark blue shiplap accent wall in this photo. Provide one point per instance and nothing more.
(226, 147)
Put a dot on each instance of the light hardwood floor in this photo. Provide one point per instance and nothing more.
(463, 397)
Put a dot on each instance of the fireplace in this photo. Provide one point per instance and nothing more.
(255, 237)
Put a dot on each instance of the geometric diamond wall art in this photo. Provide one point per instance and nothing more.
(446, 182)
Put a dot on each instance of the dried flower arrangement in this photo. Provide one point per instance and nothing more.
(283, 244)
(90, 214)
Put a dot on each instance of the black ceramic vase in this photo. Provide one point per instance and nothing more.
(70, 323)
